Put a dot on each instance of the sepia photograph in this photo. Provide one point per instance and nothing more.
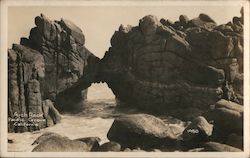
(124, 78)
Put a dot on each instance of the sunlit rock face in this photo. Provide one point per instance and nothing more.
(168, 67)
(41, 68)
(26, 68)
(62, 45)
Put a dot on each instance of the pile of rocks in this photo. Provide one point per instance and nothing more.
(218, 130)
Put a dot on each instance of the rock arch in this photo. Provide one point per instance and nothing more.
(158, 65)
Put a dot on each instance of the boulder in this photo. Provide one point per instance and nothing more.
(206, 18)
(197, 132)
(91, 142)
(198, 22)
(141, 130)
(51, 114)
(73, 30)
(110, 146)
(227, 117)
(148, 25)
(214, 146)
(183, 19)
(44, 137)
(60, 144)
(153, 61)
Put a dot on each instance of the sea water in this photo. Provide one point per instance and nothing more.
(94, 120)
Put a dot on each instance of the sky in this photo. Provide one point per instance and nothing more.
(99, 23)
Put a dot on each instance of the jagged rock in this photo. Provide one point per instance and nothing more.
(140, 130)
(91, 142)
(235, 141)
(238, 87)
(198, 131)
(224, 28)
(60, 144)
(171, 65)
(153, 63)
(183, 20)
(50, 113)
(148, 25)
(34, 104)
(213, 146)
(237, 21)
(110, 146)
(73, 30)
(198, 22)
(26, 69)
(166, 22)
(62, 45)
(157, 71)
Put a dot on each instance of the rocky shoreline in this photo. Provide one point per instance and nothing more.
(220, 130)
(191, 69)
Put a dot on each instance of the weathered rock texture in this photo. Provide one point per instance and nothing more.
(162, 66)
(197, 132)
(158, 66)
(55, 143)
(26, 109)
(50, 61)
(25, 68)
(141, 130)
(62, 45)
(228, 118)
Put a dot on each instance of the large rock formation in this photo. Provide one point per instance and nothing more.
(62, 45)
(50, 61)
(162, 66)
(158, 66)
(25, 108)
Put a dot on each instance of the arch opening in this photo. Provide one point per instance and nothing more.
(99, 92)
